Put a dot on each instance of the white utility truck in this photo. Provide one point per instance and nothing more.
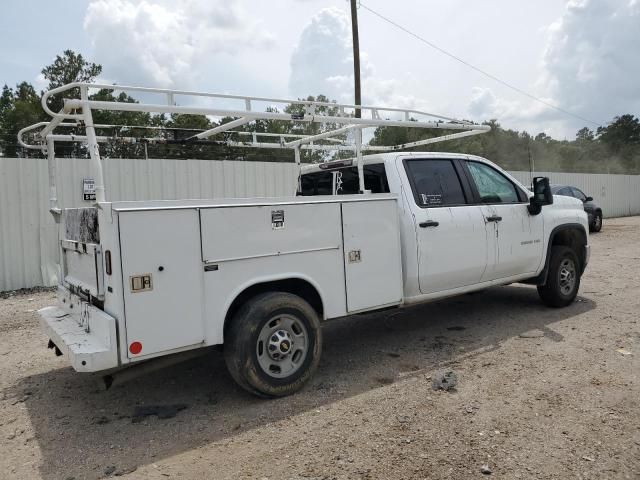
(146, 281)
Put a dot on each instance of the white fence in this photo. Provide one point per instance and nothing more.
(28, 246)
(618, 195)
(28, 234)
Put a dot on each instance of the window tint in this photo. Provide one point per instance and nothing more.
(435, 183)
(578, 194)
(493, 187)
(565, 192)
(318, 183)
(321, 183)
(375, 179)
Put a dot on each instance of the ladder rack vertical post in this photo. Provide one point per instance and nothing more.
(92, 144)
(296, 152)
(53, 189)
(358, 138)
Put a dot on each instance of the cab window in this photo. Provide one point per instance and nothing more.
(375, 180)
(492, 186)
(317, 183)
(345, 180)
(578, 194)
(435, 183)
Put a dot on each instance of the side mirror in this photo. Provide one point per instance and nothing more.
(541, 195)
(588, 199)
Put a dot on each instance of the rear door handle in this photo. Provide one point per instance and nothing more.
(495, 218)
(429, 223)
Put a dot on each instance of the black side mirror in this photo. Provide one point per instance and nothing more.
(541, 195)
(588, 199)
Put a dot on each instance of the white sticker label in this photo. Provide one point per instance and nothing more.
(88, 189)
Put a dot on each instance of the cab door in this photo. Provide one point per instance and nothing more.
(453, 242)
(517, 234)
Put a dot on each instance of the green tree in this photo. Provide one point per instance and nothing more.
(585, 135)
(18, 109)
(68, 68)
(624, 130)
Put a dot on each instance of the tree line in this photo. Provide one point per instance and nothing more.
(614, 148)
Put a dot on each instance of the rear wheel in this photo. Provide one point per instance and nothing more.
(273, 345)
(597, 222)
(563, 278)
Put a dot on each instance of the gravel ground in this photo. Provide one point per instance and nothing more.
(541, 393)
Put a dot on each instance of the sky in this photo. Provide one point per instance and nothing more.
(579, 55)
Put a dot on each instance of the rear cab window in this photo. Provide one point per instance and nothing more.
(345, 181)
(317, 183)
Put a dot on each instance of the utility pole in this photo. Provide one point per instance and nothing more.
(356, 55)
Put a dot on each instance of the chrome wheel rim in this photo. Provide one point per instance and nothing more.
(598, 221)
(567, 276)
(282, 346)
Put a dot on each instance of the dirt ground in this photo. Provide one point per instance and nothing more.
(542, 393)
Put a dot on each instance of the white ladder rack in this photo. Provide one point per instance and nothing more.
(77, 113)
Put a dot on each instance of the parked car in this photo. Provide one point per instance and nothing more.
(594, 212)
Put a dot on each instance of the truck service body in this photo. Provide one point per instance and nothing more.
(147, 279)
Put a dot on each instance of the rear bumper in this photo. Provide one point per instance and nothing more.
(86, 337)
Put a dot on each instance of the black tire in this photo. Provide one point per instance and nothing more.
(596, 226)
(244, 340)
(556, 292)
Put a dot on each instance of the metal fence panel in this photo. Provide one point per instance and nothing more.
(28, 234)
(618, 195)
(28, 246)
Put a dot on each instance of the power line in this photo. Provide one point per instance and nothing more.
(477, 69)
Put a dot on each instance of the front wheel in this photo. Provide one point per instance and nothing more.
(563, 278)
(597, 223)
(272, 347)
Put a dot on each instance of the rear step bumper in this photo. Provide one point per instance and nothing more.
(87, 339)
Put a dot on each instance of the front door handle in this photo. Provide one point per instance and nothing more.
(495, 218)
(429, 223)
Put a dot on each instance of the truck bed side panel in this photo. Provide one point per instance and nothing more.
(164, 313)
(254, 231)
(247, 245)
(373, 264)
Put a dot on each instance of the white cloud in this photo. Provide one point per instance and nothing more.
(322, 62)
(590, 68)
(168, 43)
(485, 104)
(591, 61)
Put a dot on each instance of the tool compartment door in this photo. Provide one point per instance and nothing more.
(372, 257)
(162, 278)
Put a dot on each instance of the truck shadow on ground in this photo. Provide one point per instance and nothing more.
(85, 432)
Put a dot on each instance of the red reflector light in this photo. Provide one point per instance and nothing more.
(135, 348)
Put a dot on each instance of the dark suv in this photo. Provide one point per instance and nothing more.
(593, 210)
